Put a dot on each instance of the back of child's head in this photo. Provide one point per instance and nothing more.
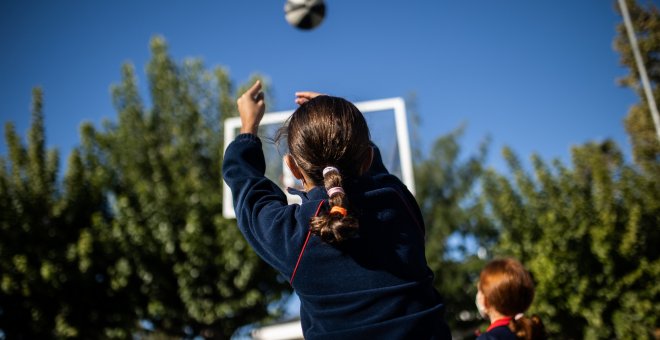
(508, 287)
(330, 132)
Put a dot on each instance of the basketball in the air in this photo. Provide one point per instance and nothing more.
(304, 14)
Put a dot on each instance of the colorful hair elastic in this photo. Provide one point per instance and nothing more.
(328, 169)
(338, 209)
(335, 190)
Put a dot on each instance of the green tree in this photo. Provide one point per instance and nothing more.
(53, 252)
(193, 270)
(589, 232)
(589, 236)
(132, 235)
(447, 192)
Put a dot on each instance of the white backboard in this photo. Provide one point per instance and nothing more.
(388, 126)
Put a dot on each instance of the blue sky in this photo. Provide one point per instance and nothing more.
(538, 76)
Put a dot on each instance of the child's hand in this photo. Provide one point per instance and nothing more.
(302, 97)
(251, 107)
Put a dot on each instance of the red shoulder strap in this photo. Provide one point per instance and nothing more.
(302, 251)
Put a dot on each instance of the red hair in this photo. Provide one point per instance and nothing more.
(508, 287)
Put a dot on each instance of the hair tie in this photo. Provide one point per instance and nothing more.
(328, 169)
(518, 316)
(338, 209)
(335, 190)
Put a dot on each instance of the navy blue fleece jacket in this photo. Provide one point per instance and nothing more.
(375, 286)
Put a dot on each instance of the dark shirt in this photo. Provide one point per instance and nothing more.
(498, 333)
(375, 286)
(499, 330)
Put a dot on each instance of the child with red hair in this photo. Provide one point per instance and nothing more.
(505, 292)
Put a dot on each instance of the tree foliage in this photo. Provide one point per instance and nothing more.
(456, 222)
(589, 235)
(54, 252)
(134, 234)
(589, 232)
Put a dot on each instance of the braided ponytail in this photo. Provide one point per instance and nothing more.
(336, 225)
(330, 130)
(528, 328)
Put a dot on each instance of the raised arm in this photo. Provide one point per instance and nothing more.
(263, 214)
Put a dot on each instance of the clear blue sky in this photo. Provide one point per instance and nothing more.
(538, 76)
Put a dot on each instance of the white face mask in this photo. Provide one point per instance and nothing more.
(480, 305)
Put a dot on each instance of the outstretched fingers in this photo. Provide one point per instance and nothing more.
(251, 107)
(304, 96)
(254, 90)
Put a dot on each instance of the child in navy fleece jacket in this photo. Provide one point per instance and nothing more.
(354, 249)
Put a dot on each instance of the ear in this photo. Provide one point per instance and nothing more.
(485, 302)
(366, 164)
(291, 163)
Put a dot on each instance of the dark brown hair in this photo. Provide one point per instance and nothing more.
(329, 131)
(508, 287)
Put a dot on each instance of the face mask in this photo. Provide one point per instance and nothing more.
(480, 306)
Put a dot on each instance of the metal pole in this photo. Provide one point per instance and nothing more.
(640, 67)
